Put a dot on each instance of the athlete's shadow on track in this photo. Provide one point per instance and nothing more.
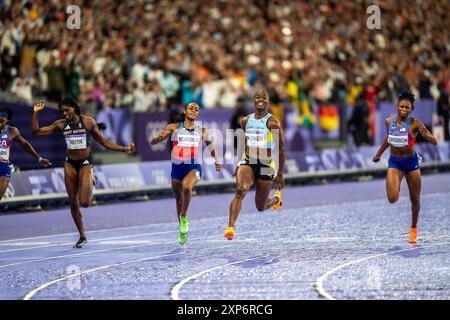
(253, 263)
(416, 251)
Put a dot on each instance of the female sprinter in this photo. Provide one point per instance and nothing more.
(402, 130)
(77, 131)
(186, 137)
(258, 166)
(7, 135)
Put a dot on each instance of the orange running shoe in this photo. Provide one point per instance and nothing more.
(279, 204)
(413, 235)
(229, 233)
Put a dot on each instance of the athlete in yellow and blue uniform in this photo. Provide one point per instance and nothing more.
(258, 166)
(402, 130)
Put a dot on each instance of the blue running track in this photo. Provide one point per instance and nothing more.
(334, 241)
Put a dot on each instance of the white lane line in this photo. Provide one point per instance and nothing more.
(127, 242)
(18, 244)
(148, 225)
(112, 249)
(75, 234)
(321, 280)
(175, 292)
(99, 240)
(33, 292)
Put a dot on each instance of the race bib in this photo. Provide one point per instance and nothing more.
(398, 141)
(4, 155)
(188, 141)
(255, 140)
(76, 141)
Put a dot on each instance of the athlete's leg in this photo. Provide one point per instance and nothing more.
(262, 200)
(191, 179)
(85, 186)
(177, 187)
(71, 180)
(244, 181)
(414, 181)
(4, 182)
(393, 181)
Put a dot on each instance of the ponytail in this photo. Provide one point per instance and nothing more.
(101, 126)
(177, 118)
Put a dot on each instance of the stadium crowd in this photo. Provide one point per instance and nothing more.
(152, 55)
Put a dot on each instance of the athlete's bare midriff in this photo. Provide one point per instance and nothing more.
(259, 154)
(402, 152)
(78, 154)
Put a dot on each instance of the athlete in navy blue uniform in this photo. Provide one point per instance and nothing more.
(402, 130)
(7, 135)
(186, 136)
(78, 173)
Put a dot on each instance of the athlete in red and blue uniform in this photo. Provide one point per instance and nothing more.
(186, 136)
(7, 135)
(402, 130)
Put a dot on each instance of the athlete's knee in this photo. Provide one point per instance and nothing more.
(260, 206)
(74, 203)
(85, 203)
(187, 188)
(392, 198)
(241, 191)
(415, 200)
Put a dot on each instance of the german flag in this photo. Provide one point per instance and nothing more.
(328, 117)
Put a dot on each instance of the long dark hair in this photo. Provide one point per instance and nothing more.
(176, 116)
(69, 102)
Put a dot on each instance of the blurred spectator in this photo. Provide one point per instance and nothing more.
(214, 53)
(359, 122)
(443, 109)
(22, 87)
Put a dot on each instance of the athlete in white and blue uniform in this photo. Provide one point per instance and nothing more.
(258, 166)
(402, 130)
(7, 135)
(187, 136)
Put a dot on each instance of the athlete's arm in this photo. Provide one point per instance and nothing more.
(424, 132)
(100, 138)
(15, 135)
(36, 131)
(383, 146)
(274, 124)
(241, 147)
(166, 133)
(209, 143)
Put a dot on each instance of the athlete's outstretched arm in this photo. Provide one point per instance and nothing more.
(241, 141)
(425, 133)
(100, 138)
(35, 130)
(166, 133)
(28, 147)
(209, 143)
(383, 146)
(274, 124)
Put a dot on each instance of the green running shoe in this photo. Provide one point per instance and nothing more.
(184, 228)
(184, 224)
(182, 238)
